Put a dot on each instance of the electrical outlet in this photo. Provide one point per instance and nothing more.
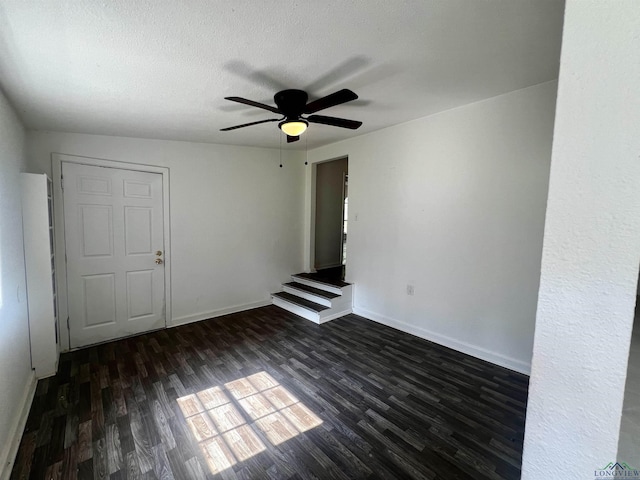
(410, 290)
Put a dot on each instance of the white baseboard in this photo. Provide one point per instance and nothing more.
(478, 352)
(10, 450)
(175, 322)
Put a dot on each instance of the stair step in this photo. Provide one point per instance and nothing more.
(320, 279)
(312, 290)
(301, 302)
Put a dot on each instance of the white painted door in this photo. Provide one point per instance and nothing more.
(114, 245)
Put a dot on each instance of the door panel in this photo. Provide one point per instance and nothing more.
(94, 185)
(140, 293)
(113, 228)
(137, 189)
(138, 230)
(99, 298)
(96, 230)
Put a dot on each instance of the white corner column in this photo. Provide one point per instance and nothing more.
(37, 224)
(591, 247)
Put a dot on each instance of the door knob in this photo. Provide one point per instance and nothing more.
(158, 261)
(159, 253)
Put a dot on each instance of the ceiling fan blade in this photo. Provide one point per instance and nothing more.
(341, 96)
(253, 104)
(334, 121)
(249, 124)
(292, 139)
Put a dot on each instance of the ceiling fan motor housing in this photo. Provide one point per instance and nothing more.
(291, 102)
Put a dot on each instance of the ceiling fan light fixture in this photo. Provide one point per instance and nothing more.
(292, 105)
(293, 128)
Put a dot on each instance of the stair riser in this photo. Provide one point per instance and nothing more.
(290, 307)
(319, 286)
(307, 296)
(337, 307)
(322, 317)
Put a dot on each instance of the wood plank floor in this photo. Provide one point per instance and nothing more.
(266, 394)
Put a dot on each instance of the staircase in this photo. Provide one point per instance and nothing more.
(314, 297)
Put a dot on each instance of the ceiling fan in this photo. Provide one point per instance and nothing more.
(292, 104)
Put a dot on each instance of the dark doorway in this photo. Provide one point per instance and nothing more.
(331, 217)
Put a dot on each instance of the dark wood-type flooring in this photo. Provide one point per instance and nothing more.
(267, 394)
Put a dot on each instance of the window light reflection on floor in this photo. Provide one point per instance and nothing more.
(221, 430)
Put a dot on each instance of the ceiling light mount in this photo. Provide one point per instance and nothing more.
(291, 102)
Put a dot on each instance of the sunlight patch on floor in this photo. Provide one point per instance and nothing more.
(221, 429)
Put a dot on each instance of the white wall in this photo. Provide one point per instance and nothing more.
(591, 247)
(16, 376)
(453, 204)
(236, 217)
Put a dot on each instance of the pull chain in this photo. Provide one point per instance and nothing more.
(280, 135)
(306, 150)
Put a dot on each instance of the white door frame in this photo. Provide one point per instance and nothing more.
(60, 246)
(345, 192)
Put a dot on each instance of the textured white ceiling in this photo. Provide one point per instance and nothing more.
(160, 68)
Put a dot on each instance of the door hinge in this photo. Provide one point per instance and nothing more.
(68, 327)
(61, 182)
